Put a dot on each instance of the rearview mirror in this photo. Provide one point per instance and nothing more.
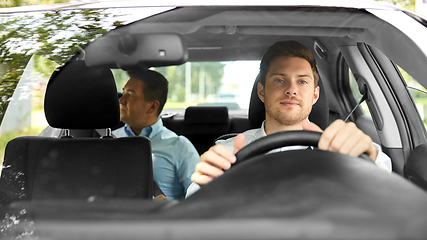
(136, 50)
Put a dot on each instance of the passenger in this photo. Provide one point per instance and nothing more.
(174, 157)
(288, 88)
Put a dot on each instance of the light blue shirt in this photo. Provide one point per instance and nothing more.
(174, 158)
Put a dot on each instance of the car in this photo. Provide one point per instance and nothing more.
(63, 67)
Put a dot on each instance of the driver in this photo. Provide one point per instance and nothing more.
(288, 88)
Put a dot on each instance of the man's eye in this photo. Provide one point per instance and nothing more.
(303, 82)
(279, 80)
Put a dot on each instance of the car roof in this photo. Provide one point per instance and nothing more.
(391, 16)
(212, 32)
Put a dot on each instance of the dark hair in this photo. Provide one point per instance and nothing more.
(287, 49)
(155, 86)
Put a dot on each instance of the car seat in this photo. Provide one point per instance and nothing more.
(201, 125)
(78, 97)
(416, 167)
(204, 124)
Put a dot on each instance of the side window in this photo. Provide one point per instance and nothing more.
(25, 113)
(418, 94)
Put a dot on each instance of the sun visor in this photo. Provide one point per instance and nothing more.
(136, 50)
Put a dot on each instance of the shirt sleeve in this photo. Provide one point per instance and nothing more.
(383, 161)
(187, 164)
(194, 187)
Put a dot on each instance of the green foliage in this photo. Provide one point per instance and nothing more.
(121, 77)
(44, 66)
(57, 35)
(210, 73)
(5, 138)
(408, 4)
(17, 3)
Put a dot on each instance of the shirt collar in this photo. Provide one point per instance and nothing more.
(261, 133)
(149, 132)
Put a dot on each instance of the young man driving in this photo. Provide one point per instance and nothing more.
(288, 88)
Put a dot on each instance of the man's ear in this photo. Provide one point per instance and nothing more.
(261, 92)
(154, 105)
(316, 94)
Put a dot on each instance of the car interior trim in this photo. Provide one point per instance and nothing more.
(390, 135)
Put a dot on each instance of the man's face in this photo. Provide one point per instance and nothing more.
(133, 107)
(289, 91)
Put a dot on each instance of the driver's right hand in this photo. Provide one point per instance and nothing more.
(215, 161)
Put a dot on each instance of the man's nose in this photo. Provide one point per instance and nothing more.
(122, 100)
(291, 89)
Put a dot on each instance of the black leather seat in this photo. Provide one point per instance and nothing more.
(204, 124)
(78, 97)
(201, 125)
(416, 167)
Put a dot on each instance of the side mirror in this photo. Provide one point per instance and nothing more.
(136, 50)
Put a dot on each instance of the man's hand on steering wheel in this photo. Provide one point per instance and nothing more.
(340, 137)
(344, 138)
(214, 161)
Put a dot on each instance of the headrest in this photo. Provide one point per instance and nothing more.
(206, 115)
(319, 113)
(79, 97)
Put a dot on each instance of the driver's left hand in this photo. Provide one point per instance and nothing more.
(344, 138)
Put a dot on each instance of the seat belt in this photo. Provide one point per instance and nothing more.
(364, 97)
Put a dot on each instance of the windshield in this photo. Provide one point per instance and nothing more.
(88, 179)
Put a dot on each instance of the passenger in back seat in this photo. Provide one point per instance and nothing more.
(174, 157)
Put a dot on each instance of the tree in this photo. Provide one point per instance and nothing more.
(17, 3)
(56, 35)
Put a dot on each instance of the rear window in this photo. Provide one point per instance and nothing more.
(206, 84)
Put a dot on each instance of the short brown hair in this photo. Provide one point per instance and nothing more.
(287, 49)
(155, 86)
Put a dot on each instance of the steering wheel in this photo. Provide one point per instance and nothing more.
(282, 139)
